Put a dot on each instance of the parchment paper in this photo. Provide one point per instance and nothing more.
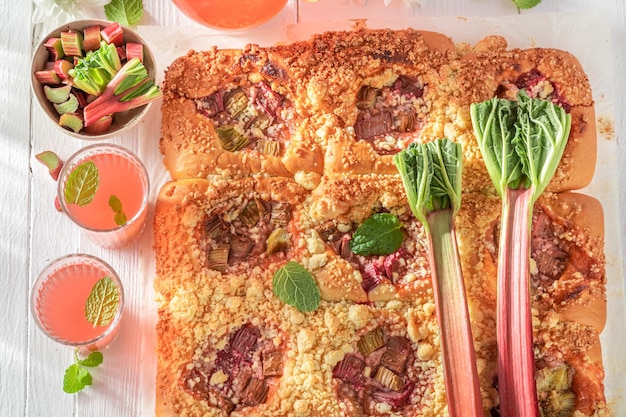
(586, 35)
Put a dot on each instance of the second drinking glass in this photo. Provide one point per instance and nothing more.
(65, 309)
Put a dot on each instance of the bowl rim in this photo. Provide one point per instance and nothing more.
(39, 56)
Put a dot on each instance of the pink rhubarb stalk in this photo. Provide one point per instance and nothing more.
(516, 361)
(431, 174)
(457, 343)
(130, 88)
(522, 142)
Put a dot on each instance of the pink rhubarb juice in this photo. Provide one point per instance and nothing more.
(114, 213)
(118, 177)
(59, 297)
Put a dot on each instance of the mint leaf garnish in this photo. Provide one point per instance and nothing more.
(124, 12)
(77, 377)
(120, 219)
(526, 4)
(294, 285)
(102, 302)
(82, 184)
(116, 205)
(381, 234)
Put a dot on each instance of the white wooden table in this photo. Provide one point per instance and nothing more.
(32, 233)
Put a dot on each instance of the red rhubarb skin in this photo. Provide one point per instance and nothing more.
(516, 361)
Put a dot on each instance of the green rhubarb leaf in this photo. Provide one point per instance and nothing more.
(96, 70)
(294, 285)
(431, 174)
(82, 184)
(381, 234)
(544, 129)
(522, 141)
(495, 126)
(125, 12)
(445, 184)
(414, 165)
(102, 302)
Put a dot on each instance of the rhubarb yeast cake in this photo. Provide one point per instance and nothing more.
(276, 297)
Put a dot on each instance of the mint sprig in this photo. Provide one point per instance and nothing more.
(124, 12)
(294, 285)
(77, 375)
(100, 308)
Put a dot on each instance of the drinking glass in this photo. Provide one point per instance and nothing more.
(58, 300)
(104, 189)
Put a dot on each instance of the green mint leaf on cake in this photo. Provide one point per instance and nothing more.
(294, 285)
(82, 184)
(381, 234)
(102, 302)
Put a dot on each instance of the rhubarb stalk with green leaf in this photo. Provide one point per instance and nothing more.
(431, 174)
(522, 142)
(131, 87)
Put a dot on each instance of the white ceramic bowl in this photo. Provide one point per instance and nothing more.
(122, 120)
